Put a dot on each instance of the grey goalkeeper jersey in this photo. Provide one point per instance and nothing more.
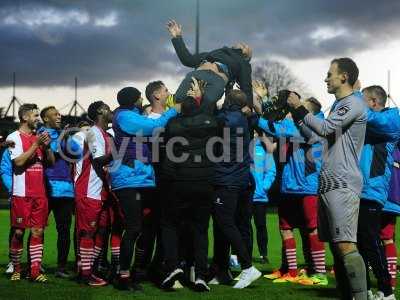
(343, 132)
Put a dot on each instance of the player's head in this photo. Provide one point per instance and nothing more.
(99, 109)
(312, 105)
(157, 92)
(375, 97)
(235, 98)
(246, 50)
(343, 72)
(28, 114)
(51, 117)
(129, 97)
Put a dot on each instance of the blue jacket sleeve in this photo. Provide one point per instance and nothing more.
(284, 128)
(384, 123)
(270, 171)
(133, 123)
(6, 170)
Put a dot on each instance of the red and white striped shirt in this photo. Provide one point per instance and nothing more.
(28, 181)
(94, 144)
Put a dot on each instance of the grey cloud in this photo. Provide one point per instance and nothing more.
(77, 39)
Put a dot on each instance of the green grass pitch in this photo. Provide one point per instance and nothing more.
(65, 289)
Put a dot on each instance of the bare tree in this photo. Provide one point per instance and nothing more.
(277, 76)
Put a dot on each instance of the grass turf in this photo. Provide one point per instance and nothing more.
(66, 289)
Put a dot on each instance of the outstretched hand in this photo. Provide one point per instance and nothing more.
(293, 100)
(260, 88)
(174, 28)
(257, 104)
(197, 88)
(246, 111)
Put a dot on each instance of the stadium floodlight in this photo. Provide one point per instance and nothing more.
(14, 101)
(75, 104)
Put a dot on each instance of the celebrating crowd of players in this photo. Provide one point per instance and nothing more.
(148, 186)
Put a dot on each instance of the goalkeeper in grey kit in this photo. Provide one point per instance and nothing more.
(340, 180)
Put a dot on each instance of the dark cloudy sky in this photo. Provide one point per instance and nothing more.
(106, 43)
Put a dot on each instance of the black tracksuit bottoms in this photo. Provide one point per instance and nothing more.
(370, 246)
(232, 226)
(187, 203)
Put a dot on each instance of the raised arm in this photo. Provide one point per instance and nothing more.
(260, 91)
(310, 136)
(284, 128)
(245, 82)
(338, 120)
(135, 124)
(187, 59)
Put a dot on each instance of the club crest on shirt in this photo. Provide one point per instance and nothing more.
(342, 111)
(19, 220)
(93, 224)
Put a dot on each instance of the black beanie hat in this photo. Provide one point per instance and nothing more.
(128, 96)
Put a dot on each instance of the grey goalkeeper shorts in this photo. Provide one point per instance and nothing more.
(338, 216)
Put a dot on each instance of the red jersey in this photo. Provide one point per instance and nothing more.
(87, 182)
(28, 181)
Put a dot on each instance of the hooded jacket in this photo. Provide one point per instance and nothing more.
(392, 205)
(263, 171)
(376, 163)
(303, 161)
(58, 176)
(128, 171)
(196, 129)
(6, 171)
(234, 169)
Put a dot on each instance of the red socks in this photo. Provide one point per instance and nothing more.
(391, 256)
(16, 250)
(86, 252)
(98, 246)
(36, 253)
(317, 253)
(115, 249)
(290, 251)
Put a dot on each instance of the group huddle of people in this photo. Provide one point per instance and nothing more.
(148, 185)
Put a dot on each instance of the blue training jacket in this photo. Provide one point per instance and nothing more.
(301, 171)
(235, 170)
(6, 170)
(382, 135)
(263, 170)
(59, 176)
(392, 205)
(129, 123)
